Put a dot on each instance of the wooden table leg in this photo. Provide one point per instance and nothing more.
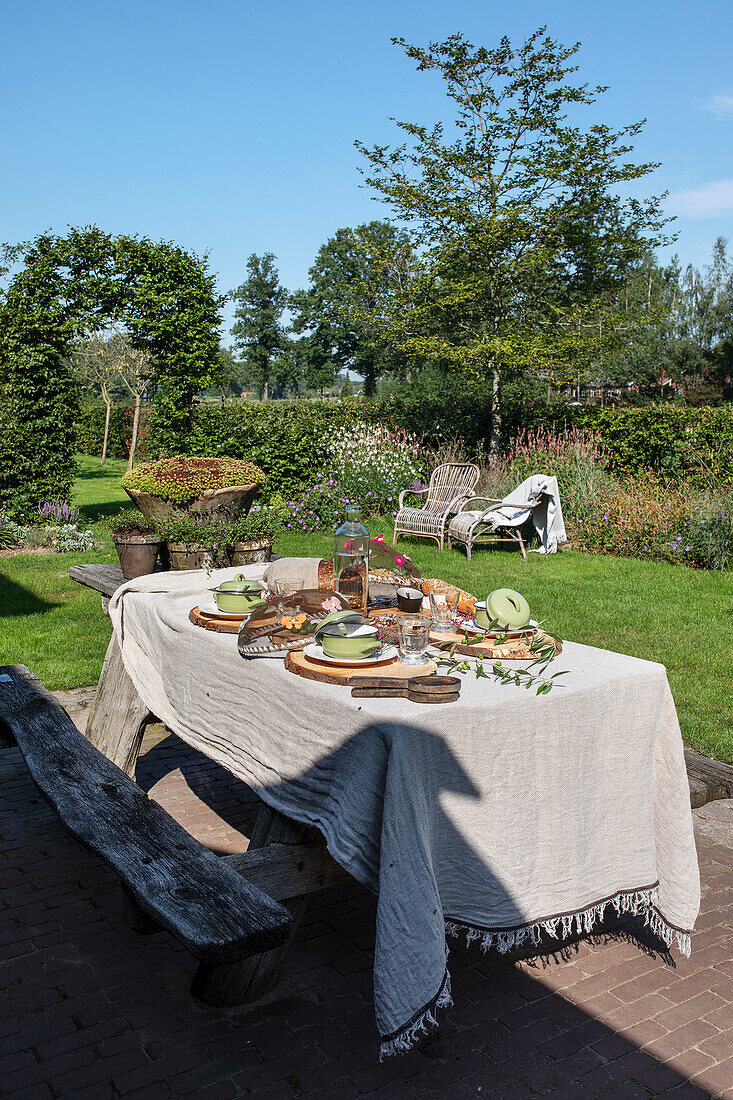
(252, 978)
(118, 716)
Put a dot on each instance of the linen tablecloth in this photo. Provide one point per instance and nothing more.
(505, 816)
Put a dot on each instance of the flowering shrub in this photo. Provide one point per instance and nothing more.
(574, 456)
(635, 518)
(67, 537)
(645, 517)
(705, 537)
(374, 463)
(320, 507)
(11, 533)
(183, 479)
(369, 466)
(59, 511)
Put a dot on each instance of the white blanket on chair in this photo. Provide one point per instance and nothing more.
(546, 516)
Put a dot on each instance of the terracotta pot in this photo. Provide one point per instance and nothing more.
(247, 553)
(137, 554)
(228, 503)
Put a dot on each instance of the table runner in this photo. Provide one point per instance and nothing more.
(504, 816)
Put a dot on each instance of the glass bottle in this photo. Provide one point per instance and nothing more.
(351, 560)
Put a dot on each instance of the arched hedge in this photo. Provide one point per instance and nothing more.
(66, 288)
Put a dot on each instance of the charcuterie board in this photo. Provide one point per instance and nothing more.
(300, 665)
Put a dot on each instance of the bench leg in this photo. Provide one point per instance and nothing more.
(118, 716)
(135, 916)
(250, 979)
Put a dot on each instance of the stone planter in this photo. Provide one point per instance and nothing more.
(189, 555)
(248, 553)
(137, 554)
(228, 503)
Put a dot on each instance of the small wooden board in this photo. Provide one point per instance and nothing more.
(298, 663)
(515, 648)
(213, 622)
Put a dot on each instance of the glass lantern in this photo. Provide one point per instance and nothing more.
(351, 561)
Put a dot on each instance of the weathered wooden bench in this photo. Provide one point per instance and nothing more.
(225, 910)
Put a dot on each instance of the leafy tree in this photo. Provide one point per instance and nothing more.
(259, 331)
(352, 273)
(520, 235)
(64, 290)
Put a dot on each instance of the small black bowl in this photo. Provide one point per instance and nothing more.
(409, 599)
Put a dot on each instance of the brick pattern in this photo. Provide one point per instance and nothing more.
(89, 1010)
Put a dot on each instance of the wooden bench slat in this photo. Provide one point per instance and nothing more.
(217, 914)
(286, 870)
(102, 578)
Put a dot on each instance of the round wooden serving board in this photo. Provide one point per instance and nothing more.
(298, 663)
(515, 648)
(213, 622)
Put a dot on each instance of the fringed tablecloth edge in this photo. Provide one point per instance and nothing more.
(641, 902)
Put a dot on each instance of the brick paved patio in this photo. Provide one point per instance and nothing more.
(90, 1010)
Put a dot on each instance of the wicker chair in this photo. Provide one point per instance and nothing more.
(450, 486)
(499, 522)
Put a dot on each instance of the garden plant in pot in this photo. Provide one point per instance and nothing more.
(212, 544)
(212, 488)
(137, 543)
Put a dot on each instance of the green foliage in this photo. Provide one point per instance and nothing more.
(349, 275)
(671, 439)
(221, 534)
(12, 534)
(66, 288)
(67, 538)
(518, 229)
(90, 430)
(705, 538)
(183, 478)
(258, 329)
(288, 440)
(129, 522)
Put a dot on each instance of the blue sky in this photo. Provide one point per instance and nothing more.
(228, 126)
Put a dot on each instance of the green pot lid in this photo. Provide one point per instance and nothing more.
(239, 584)
(345, 615)
(348, 630)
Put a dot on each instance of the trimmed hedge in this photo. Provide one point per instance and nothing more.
(670, 439)
(90, 431)
(286, 438)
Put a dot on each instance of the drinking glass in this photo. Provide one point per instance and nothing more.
(443, 604)
(281, 589)
(413, 637)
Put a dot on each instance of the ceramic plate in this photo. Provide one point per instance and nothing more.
(473, 627)
(207, 605)
(315, 652)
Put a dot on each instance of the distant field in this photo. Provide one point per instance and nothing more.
(680, 617)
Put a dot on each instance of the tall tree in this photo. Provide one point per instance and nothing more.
(259, 332)
(352, 273)
(514, 214)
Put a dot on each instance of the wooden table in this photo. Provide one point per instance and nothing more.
(288, 860)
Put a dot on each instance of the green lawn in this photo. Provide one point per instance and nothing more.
(681, 617)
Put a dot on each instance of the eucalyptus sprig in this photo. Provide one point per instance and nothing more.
(544, 650)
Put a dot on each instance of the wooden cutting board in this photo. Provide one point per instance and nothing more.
(515, 648)
(300, 665)
(214, 622)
